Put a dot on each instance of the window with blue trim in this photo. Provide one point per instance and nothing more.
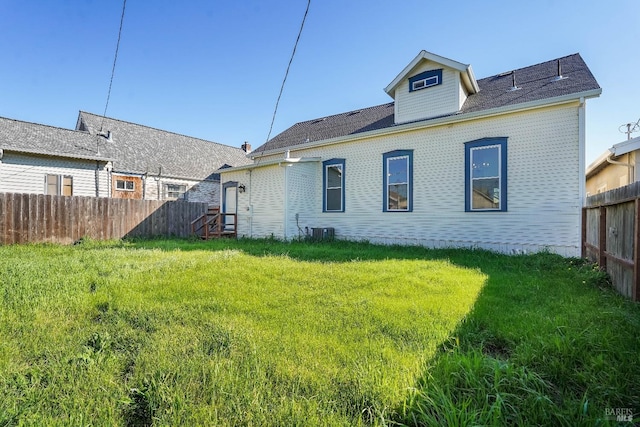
(397, 172)
(333, 185)
(486, 175)
(424, 80)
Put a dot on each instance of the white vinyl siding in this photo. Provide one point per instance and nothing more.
(261, 210)
(197, 191)
(429, 102)
(20, 173)
(543, 186)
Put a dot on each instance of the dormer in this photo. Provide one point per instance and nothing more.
(431, 86)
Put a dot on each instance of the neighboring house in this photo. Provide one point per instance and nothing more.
(617, 167)
(495, 163)
(41, 159)
(125, 160)
(159, 165)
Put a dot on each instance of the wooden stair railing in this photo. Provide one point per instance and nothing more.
(214, 224)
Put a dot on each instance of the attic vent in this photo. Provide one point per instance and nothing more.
(106, 135)
(514, 86)
(559, 76)
(319, 120)
(353, 113)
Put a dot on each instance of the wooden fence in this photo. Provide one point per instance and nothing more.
(611, 236)
(26, 218)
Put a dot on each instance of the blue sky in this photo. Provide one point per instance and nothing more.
(213, 69)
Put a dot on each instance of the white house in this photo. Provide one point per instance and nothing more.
(495, 163)
(156, 164)
(106, 157)
(42, 159)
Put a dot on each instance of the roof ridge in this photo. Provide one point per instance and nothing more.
(504, 73)
(43, 125)
(159, 130)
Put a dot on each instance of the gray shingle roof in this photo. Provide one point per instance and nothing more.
(139, 149)
(536, 82)
(16, 135)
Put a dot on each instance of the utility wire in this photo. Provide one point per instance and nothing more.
(286, 74)
(113, 69)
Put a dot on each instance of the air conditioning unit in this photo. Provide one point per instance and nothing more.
(326, 233)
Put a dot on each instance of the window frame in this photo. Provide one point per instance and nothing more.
(180, 196)
(325, 185)
(62, 182)
(391, 155)
(479, 144)
(125, 182)
(425, 77)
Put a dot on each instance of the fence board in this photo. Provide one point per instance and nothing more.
(42, 218)
(611, 236)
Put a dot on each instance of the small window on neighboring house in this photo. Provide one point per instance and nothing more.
(175, 191)
(397, 171)
(486, 175)
(333, 185)
(424, 80)
(67, 186)
(125, 185)
(56, 185)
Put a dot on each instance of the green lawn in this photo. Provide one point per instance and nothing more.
(170, 332)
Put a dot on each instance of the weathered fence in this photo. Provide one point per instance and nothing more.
(26, 218)
(611, 236)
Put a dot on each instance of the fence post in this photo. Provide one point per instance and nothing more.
(602, 239)
(635, 285)
(583, 241)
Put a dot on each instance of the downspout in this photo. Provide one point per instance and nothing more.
(582, 179)
(286, 199)
(97, 177)
(250, 207)
(144, 185)
(581, 152)
(631, 174)
(109, 180)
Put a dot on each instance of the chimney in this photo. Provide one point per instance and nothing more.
(246, 147)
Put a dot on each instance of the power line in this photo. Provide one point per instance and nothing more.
(113, 69)
(286, 74)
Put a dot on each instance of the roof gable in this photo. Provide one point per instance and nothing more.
(142, 149)
(465, 69)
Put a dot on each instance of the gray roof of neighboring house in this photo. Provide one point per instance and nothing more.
(33, 138)
(536, 82)
(141, 149)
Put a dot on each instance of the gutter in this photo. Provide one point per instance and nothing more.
(279, 162)
(456, 118)
(63, 155)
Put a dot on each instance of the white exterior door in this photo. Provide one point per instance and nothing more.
(230, 205)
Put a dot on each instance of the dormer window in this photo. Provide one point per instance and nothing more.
(424, 80)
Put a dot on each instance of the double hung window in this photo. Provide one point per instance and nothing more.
(58, 185)
(333, 185)
(397, 172)
(486, 175)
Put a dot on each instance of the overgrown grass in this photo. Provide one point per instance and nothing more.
(170, 332)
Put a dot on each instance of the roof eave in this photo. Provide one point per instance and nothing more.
(626, 146)
(597, 165)
(455, 118)
(273, 162)
(63, 155)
